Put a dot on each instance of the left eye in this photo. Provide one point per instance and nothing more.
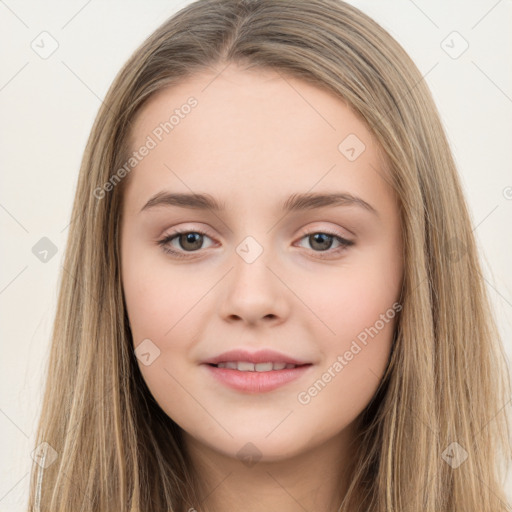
(323, 240)
(191, 241)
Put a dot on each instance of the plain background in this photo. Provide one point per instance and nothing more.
(48, 106)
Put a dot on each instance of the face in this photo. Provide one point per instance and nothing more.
(316, 281)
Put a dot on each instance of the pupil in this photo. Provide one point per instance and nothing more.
(191, 238)
(323, 237)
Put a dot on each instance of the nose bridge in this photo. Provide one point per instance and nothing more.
(251, 249)
(254, 291)
(256, 244)
(254, 256)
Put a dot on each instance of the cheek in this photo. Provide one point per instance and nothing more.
(352, 297)
(362, 317)
(156, 294)
(358, 307)
(158, 313)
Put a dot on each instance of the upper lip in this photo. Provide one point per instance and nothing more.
(261, 356)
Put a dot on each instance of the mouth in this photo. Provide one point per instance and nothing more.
(255, 378)
(246, 366)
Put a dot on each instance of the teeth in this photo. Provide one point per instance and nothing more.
(263, 367)
(245, 366)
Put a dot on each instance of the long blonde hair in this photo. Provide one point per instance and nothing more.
(431, 438)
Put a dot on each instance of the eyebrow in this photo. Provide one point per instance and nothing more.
(296, 202)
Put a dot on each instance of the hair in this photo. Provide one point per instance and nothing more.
(447, 380)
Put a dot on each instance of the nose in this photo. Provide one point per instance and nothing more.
(253, 291)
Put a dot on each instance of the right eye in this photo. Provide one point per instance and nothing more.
(184, 238)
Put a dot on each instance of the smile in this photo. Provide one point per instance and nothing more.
(255, 377)
(245, 366)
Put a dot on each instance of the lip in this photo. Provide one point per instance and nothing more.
(261, 356)
(256, 382)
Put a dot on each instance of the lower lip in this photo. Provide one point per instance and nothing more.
(257, 382)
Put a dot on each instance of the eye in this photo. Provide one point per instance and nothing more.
(322, 240)
(191, 241)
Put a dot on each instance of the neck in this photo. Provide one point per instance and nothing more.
(316, 479)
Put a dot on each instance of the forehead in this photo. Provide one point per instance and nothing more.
(249, 130)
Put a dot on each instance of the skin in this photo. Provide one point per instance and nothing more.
(254, 139)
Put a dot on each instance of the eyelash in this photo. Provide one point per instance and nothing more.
(168, 238)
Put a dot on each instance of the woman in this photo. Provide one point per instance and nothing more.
(267, 128)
